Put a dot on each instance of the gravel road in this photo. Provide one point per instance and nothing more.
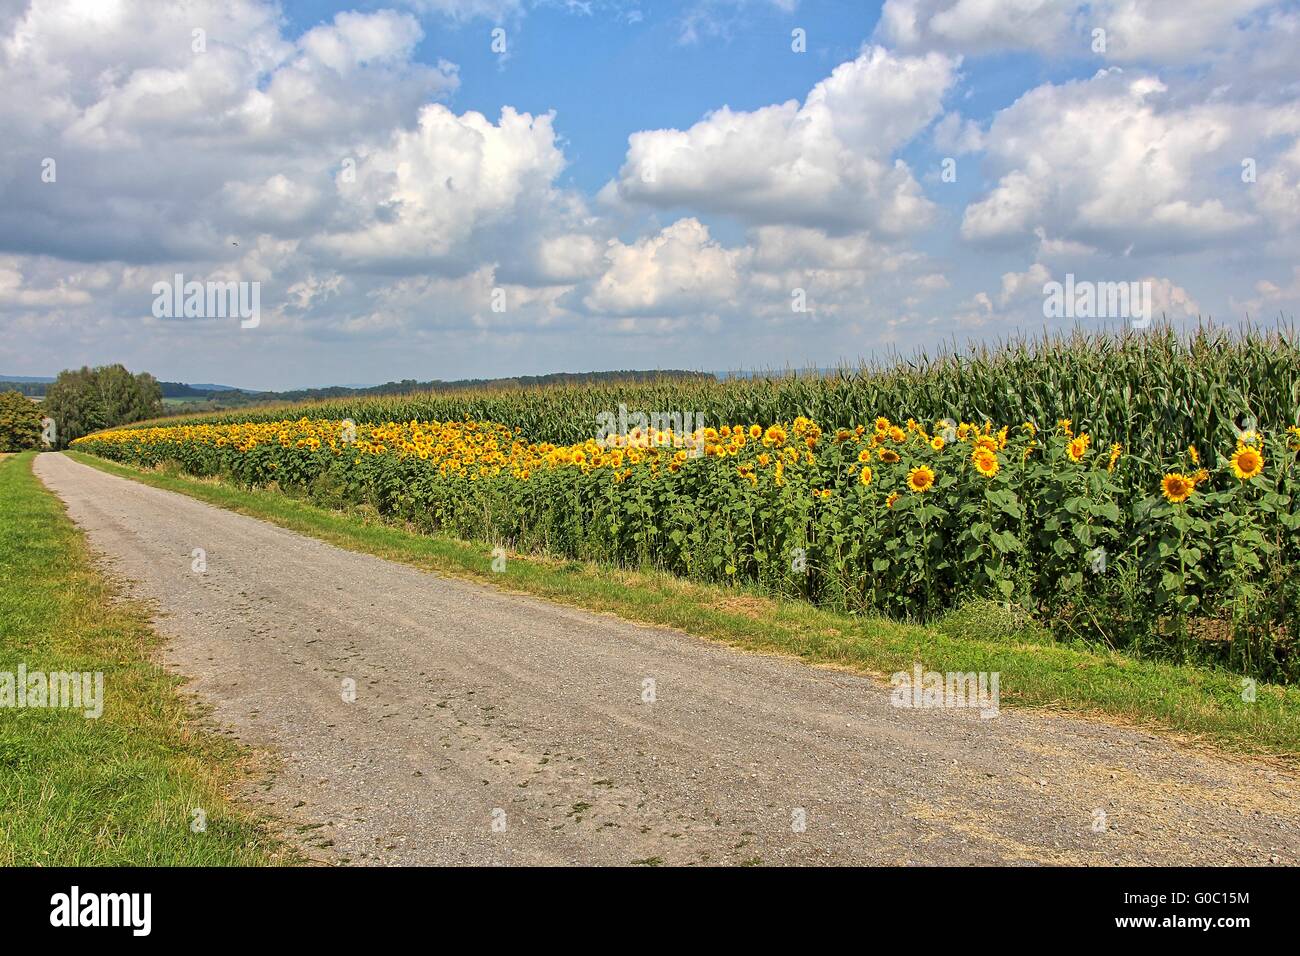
(492, 728)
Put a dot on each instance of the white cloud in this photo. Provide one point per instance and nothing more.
(679, 270)
(717, 18)
(974, 26)
(956, 136)
(1157, 31)
(1110, 163)
(827, 163)
(424, 195)
(1020, 286)
(18, 291)
(497, 10)
(1271, 299)
(1170, 299)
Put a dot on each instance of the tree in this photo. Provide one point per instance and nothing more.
(20, 422)
(87, 400)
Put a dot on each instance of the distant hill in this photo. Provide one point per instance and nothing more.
(34, 385)
(223, 388)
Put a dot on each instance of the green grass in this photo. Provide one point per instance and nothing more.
(120, 789)
(1192, 702)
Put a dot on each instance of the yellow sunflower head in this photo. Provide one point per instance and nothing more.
(1247, 462)
(1078, 447)
(1176, 487)
(985, 462)
(864, 456)
(889, 456)
(937, 443)
(920, 478)
(893, 496)
(865, 476)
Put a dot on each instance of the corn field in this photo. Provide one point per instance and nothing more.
(1154, 392)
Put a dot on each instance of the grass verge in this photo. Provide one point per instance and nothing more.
(120, 789)
(1193, 702)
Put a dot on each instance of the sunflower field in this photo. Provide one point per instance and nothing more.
(1186, 556)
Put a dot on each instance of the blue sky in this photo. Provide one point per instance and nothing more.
(633, 184)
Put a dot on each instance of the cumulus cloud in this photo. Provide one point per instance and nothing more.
(1109, 163)
(1019, 286)
(827, 163)
(1164, 31)
(189, 138)
(424, 195)
(974, 26)
(679, 270)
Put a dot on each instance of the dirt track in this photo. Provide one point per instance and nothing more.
(476, 708)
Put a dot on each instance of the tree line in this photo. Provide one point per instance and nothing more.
(79, 402)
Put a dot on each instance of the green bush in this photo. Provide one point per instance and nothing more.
(20, 422)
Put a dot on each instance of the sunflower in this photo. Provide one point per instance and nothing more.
(920, 478)
(864, 456)
(985, 462)
(755, 431)
(937, 443)
(1078, 447)
(1247, 462)
(1115, 451)
(897, 435)
(864, 478)
(1176, 487)
(889, 456)
(893, 496)
(1194, 455)
(775, 435)
(882, 424)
